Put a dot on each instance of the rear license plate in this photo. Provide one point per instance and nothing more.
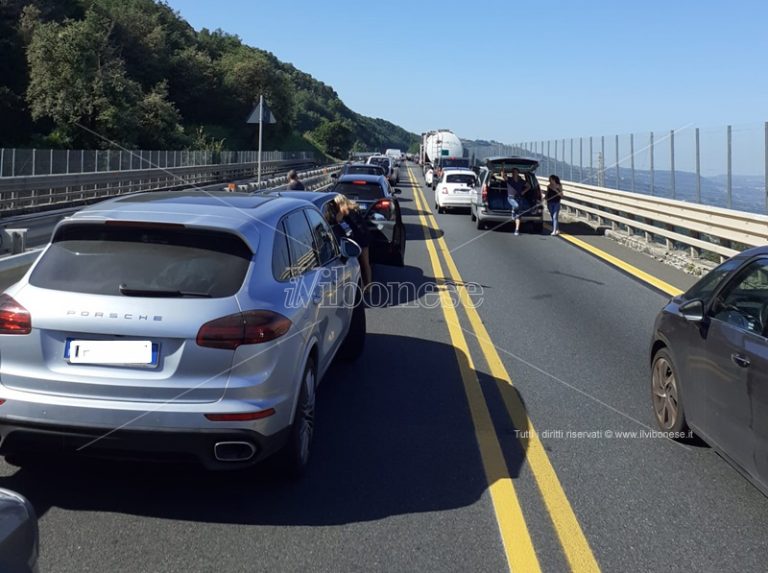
(111, 352)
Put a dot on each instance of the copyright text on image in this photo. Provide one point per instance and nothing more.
(601, 434)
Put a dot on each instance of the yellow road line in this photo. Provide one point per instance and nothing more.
(518, 547)
(572, 539)
(626, 267)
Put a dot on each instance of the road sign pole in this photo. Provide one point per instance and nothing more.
(261, 125)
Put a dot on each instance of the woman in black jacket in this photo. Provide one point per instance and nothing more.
(344, 210)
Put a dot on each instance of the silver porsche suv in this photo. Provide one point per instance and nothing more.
(178, 325)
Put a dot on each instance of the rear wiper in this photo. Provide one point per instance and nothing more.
(125, 291)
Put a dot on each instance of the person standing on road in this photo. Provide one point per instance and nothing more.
(553, 197)
(518, 191)
(293, 181)
(341, 209)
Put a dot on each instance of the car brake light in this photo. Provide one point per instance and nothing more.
(14, 318)
(241, 417)
(250, 327)
(382, 204)
(359, 182)
(485, 193)
(445, 190)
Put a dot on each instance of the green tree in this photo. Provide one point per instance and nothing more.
(159, 121)
(77, 80)
(335, 137)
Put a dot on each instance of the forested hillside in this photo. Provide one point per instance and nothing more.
(78, 73)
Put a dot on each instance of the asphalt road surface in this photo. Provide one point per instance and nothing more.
(472, 437)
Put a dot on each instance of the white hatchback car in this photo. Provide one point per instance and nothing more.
(454, 189)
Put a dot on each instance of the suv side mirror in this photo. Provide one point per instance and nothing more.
(349, 249)
(397, 191)
(692, 311)
(334, 175)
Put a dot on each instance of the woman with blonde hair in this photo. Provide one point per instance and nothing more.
(343, 209)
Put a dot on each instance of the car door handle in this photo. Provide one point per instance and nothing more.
(740, 360)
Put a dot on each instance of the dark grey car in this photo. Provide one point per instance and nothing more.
(19, 535)
(709, 363)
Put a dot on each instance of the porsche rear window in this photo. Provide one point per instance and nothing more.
(99, 258)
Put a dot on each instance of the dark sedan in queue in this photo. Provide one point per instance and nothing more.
(709, 363)
(381, 209)
(381, 212)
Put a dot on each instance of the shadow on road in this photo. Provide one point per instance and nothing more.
(415, 232)
(393, 437)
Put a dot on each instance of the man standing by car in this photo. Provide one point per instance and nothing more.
(293, 181)
(518, 191)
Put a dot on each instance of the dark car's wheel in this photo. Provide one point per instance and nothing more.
(666, 394)
(480, 223)
(295, 455)
(354, 343)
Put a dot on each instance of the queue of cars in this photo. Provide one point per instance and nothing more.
(157, 324)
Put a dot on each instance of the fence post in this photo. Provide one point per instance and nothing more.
(563, 162)
(2, 160)
(632, 159)
(672, 160)
(50, 163)
(601, 167)
(730, 171)
(618, 173)
(33, 161)
(698, 167)
(82, 160)
(651, 150)
(549, 159)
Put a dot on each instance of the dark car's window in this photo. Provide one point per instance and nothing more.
(281, 260)
(465, 178)
(300, 242)
(384, 162)
(325, 242)
(365, 170)
(98, 258)
(744, 301)
(707, 284)
(362, 190)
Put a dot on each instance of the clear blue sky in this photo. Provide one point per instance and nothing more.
(514, 71)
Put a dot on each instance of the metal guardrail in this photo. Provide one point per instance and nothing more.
(33, 193)
(699, 228)
(314, 180)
